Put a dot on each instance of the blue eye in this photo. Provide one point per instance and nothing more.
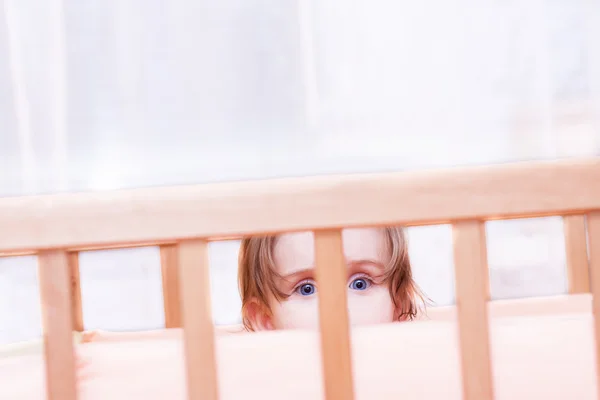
(360, 284)
(307, 289)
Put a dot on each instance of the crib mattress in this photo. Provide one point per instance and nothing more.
(542, 356)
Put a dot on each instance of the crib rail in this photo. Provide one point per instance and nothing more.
(228, 210)
(181, 220)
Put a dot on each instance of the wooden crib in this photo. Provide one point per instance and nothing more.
(182, 220)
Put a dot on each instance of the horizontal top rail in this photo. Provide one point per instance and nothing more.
(229, 210)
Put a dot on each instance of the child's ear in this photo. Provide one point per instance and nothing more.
(259, 316)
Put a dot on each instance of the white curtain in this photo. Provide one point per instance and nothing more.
(118, 93)
(105, 94)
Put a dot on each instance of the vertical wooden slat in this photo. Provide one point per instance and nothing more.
(170, 284)
(578, 277)
(484, 261)
(76, 304)
(593, 227)
(55, 293)
(471, 274)
(197, 320)
(332, 277)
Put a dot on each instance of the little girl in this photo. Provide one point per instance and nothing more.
(278, 288)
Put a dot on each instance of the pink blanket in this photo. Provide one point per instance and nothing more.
(543, 357)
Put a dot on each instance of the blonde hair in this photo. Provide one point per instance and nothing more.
(257, 275)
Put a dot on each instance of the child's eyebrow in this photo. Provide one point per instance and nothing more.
(371, 265)
(297, 275)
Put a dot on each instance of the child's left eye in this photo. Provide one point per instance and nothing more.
(360, 284)
(306, 289)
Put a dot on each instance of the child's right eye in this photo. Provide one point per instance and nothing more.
(306, 289)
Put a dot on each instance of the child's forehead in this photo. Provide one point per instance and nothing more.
(295, 251)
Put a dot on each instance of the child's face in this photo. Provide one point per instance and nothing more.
(369, 300)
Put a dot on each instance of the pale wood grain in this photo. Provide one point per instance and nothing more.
(57, 321)
(76, 303)
(332, 277)
(234, 209)
(593, 225)
(170, 284)
(578, 274)
(197, 321)
(471, 272)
